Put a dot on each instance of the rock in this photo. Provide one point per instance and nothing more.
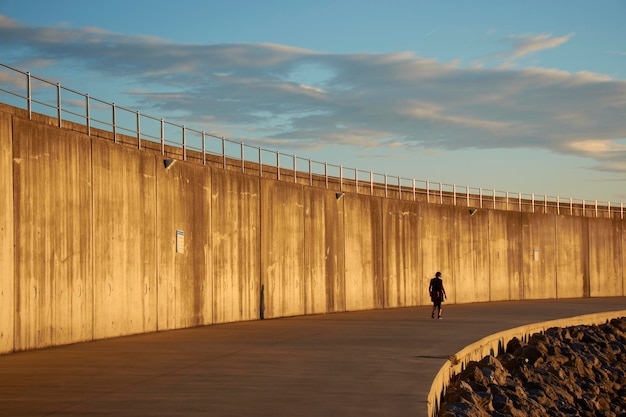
(574, 371)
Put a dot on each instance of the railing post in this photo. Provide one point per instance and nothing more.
(29, 95)
(295, 171)
(596, 208)
(138, 130)
(59, 105)
(87, 115)
(385, 185)
(454, 194)
(162, 137)
(203, 148)
(427, 191)
(184, 144)
(480, 197)
(467, 195)
(571, 207)
(494, 199)
(310, 173)
(243, 167)
(260, 163)
(371, 182)
(414, 196)
(340, 177)
(278, 165)
(532, 202)
(399, 188)
(114, 123)
(558, 205)
(507, 201)
(223, 153)
(326, 174)
(545, 203)
(440, 193)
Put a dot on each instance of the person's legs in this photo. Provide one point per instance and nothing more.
(436, 306)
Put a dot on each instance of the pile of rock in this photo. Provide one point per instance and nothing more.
(574, 371)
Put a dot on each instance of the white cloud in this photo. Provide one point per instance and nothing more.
(297, 98)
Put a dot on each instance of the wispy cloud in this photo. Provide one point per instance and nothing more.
(302, 98)
(519, 46)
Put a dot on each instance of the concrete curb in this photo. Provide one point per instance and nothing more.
(495, 344)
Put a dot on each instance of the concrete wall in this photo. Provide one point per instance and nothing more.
(235, 246)
(124, 239)
(53, 275)
(7, 268)
(324, 256)
(183, 219)
(98, 239)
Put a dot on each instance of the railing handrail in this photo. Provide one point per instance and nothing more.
(119, 119)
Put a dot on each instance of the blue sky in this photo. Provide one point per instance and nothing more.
(519, 96)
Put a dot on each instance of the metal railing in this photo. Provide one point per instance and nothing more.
(72, 109)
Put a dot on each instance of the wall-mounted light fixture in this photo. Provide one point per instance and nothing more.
(339, 195)
(472, 212)
(167, 163)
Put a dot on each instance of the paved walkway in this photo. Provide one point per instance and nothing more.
(371, 363)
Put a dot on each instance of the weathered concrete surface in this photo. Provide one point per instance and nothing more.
(572, 257)
(606, 263)
(436, 231)
(504, 256)
(539, 274)
(183, 221)
(471, 252)
(124, 230)
(324, 257)
(7, 286)
(235, 242)
(53, 236)
(364, 242)
(403, 286)
(367, 363)
(282, 248)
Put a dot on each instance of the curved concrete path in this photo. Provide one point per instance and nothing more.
(370, 363)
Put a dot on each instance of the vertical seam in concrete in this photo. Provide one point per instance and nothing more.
(302, 271)
(382, 246)
(342, 202)
(556, 257)
(93, 234)
(588, 258)
(14, 248)
(156, 242)
(261, 294)
(520, 285)
(489, 250)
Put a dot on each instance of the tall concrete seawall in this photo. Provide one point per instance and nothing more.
(98, 239)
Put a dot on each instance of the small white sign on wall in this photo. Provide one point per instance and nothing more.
(180, 241)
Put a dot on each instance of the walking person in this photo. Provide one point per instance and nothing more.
(437, 294)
